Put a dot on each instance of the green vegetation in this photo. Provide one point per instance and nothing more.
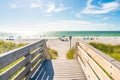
(53, 53)
(70, 53)
(111, 50)
(7, 46)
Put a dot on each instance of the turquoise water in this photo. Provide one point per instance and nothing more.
(81, 33)
(62, 33)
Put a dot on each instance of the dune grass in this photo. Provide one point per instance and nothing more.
(53, 53)
(7, 46)
(70, 53)
(111, 50)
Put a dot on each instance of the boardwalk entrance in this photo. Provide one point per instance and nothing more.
(61, 68)
(32, 62)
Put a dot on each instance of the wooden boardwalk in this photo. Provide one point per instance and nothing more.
(59, 70)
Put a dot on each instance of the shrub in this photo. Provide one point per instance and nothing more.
(70, 53)
(53, 53)
(7, 46)
(111, 50)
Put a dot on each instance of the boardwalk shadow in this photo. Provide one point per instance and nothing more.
(45, 71)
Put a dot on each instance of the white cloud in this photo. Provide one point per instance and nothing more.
(78, 22)
(61, 8)
(47, 7)
(78, 15)
(62, 25)
(34, 5)
(53, 8)
(76, 25)
(101, 8)
(106, 18)
(25, 3)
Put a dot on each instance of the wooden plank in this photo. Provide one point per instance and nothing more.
(59, 69)
(108, 58)
(37, 52)
(45, 51)
(46, 54)
(37, 59)
(6, 75)
(87, 70)
(40, 59)
(116, 63)
(36, 45)
(33, 71)
(23, 73)
(12, 56)
(106, 63)
(32, 52)
(82, 54)
(99, 72)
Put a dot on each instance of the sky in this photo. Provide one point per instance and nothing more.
(59, 15)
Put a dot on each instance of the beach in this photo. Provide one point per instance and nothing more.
(102, 39)
(26, 41)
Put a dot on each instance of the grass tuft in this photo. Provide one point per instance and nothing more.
(7, 46)
(53, 53)
(111, 50)
(70, 53)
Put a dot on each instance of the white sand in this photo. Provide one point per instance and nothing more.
(105, 40)
(17, 41)
(61, 46)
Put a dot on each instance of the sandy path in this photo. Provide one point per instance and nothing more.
(61, 46)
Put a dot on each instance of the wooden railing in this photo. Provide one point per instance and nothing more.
(22, 63)
(96, 64)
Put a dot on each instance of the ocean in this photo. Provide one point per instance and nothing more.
(81, 33)
(61, 34)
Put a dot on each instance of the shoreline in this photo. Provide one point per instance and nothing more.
(102, 39)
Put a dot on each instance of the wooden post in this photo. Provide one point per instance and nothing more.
(45, 51)
(70, 38)
(76, 50)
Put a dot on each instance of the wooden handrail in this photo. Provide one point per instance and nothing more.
(96, 64)
(26, 60)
